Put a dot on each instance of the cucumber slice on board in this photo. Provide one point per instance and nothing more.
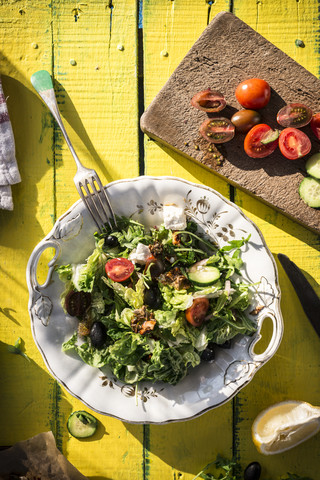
(313, 165)
(203, 275)
(82, 424)
(309, 191)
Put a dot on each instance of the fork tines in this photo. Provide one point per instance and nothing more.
(97, 201)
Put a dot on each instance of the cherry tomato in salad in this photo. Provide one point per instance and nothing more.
(244, 120)
(119, 269)
(209, 101)
(76, 303)
(253, 93)
(294, 115)
(293, 143)
(315, 125)
(217, 130)
(261, 141)
(197, 312)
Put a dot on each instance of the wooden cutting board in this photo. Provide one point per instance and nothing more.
(228, 52)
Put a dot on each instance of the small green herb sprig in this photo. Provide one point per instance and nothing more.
(231, 470)
(17, 349)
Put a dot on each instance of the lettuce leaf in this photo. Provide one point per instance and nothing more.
(175, 299)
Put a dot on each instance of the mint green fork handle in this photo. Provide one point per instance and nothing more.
(42, 83)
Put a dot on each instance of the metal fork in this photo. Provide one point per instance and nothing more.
(87, 181)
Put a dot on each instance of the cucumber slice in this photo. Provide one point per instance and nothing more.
(313, 165)
(82, 424)
(203, 274)
(309, 191)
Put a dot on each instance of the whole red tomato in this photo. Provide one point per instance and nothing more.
(253, 93)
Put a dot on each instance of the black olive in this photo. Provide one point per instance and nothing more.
(98, 335)
(252, 471)
(111, 241)
(152, 297)
(76, 303)
(156, 268)
(208, 354)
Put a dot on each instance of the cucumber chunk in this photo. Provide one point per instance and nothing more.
(82, 424)
(309, 191)
(313, 165)
(203, 274)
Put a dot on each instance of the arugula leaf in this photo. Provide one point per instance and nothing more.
(220, 463)
(16, 349)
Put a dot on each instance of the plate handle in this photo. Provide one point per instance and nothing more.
(274, 341)
(34, 260)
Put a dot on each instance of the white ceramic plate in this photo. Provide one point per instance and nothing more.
(206, 386)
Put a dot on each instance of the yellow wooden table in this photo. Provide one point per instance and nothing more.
(107, 61)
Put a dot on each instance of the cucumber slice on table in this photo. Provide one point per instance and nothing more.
(309, 191)
(82, 424)
(313, 165)
(203, 275)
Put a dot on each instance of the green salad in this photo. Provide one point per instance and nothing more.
(153, 303)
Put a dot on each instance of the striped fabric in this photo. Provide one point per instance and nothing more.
(9, 173)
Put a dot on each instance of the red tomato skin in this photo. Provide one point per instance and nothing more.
(252, 140)
(315, 125)
(119, 269)
(197, 312)
(301, 144)
(253, 93)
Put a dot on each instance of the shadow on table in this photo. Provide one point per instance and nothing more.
(70, 113)
(27, 390)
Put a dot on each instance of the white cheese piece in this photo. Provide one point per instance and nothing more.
(140, 254)
(174, 217)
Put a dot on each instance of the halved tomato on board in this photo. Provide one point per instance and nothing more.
(294, 115)
(293, 143)
(315, 125)
(209, 101)
(261, 141)
(197, 312)
(217, 130)
(119, 269)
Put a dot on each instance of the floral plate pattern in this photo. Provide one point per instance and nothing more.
(207, 386)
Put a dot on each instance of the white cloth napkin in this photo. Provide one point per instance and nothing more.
(9, 172)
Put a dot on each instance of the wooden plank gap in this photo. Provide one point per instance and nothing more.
(141, 92)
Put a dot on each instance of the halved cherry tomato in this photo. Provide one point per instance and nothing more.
(293, 143)
(244, 120)
(253, 93)
(76, 303)
(294, 115)
(119, 269)
(315, 125)
(197, 312)
(217, 130)
(255, 142)
(209, 101)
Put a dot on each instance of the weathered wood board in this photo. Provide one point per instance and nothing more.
(228, 52)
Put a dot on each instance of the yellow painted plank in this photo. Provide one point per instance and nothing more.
(170, 29)
(294, 370)
(95, 68)
(179, 451)
(27, 389)
(95, 71)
